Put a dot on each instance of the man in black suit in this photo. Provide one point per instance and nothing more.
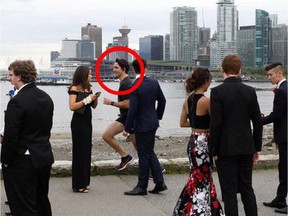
(26, 153)
(143, 119)
(235, 145)
(279, 118)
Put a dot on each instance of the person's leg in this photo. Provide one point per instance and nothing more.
(282, 168)
(227, 169)
(21, 190)
(43, 203)
(245, 185)
(109, 137)
(145, 142)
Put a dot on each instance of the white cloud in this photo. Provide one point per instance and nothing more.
(33, 28)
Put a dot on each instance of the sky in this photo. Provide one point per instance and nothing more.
(30, 29)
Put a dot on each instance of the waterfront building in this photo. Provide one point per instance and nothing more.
(246, 45)
(95, 34)
(227, 26)
(279, 44)
(167, 47)
(183, 34)
(263, 38)
(68, 49)
(151, 47)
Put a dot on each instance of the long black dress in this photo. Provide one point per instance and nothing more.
(81, 128)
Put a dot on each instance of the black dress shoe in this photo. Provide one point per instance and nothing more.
(282, 210)
(158, 188)
(8, 213)
(275, 204)
(136, 191)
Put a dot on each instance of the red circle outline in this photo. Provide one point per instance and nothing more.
(117, 49)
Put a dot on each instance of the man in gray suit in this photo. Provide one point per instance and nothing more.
(235, 145)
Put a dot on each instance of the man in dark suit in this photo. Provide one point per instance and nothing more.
(26, 153)
(143, 119)
(235, 145)
(279, 118)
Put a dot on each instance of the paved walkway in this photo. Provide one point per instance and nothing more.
(106, 196)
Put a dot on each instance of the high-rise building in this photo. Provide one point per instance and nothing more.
(274, 19)
(151, 47)
(54, 55)
(246, 45)
(85, 48)
(167, 47)
(227, 26)
(120, 41)
(279, 44)
(263, 38)
(183, 34)
(95, 35)
(204, 36)
(69, 47)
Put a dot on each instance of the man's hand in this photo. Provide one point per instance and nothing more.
(255, 157)
(107, 101)
(125, 133)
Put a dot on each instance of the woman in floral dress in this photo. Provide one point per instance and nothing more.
(198, 198)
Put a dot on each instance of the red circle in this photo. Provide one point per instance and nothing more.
(117, 49)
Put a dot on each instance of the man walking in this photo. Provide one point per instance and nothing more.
(143, 120)
(235, 145)
(26, 154)
(120, 68)
(279, 119)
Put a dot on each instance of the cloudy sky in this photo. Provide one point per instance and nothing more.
(33, 28)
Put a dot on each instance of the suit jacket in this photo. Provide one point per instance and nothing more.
(28, 121)
(142, 115)
(279, 114)
(233, 106)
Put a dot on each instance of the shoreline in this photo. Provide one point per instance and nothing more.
(168, 147)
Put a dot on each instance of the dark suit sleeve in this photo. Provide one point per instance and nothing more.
(11, 132)
(216, 121)
(161, 103)
(279, 108)
(257, 124)
(132, 111)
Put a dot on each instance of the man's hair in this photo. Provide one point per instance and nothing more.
(123, 63)
(231, 64)
(25, 69)
(136, 65)
(274, 65)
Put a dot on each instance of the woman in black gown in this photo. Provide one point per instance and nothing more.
(81, 99)
(199, 194)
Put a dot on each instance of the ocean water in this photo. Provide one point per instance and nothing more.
(104, 115)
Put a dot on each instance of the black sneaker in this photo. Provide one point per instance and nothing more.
(124, 162)
(163, 170)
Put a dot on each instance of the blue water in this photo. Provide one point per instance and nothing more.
(103, 114)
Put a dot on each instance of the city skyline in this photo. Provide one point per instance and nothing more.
(33, 28)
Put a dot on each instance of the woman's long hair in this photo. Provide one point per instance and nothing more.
(81, 77)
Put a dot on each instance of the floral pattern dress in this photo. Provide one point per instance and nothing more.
(199, 198)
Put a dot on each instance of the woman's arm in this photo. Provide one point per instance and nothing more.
(184, 121)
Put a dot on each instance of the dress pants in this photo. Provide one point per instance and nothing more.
(282, 168)
(235, 175)
(27, 188)
(147, 159)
